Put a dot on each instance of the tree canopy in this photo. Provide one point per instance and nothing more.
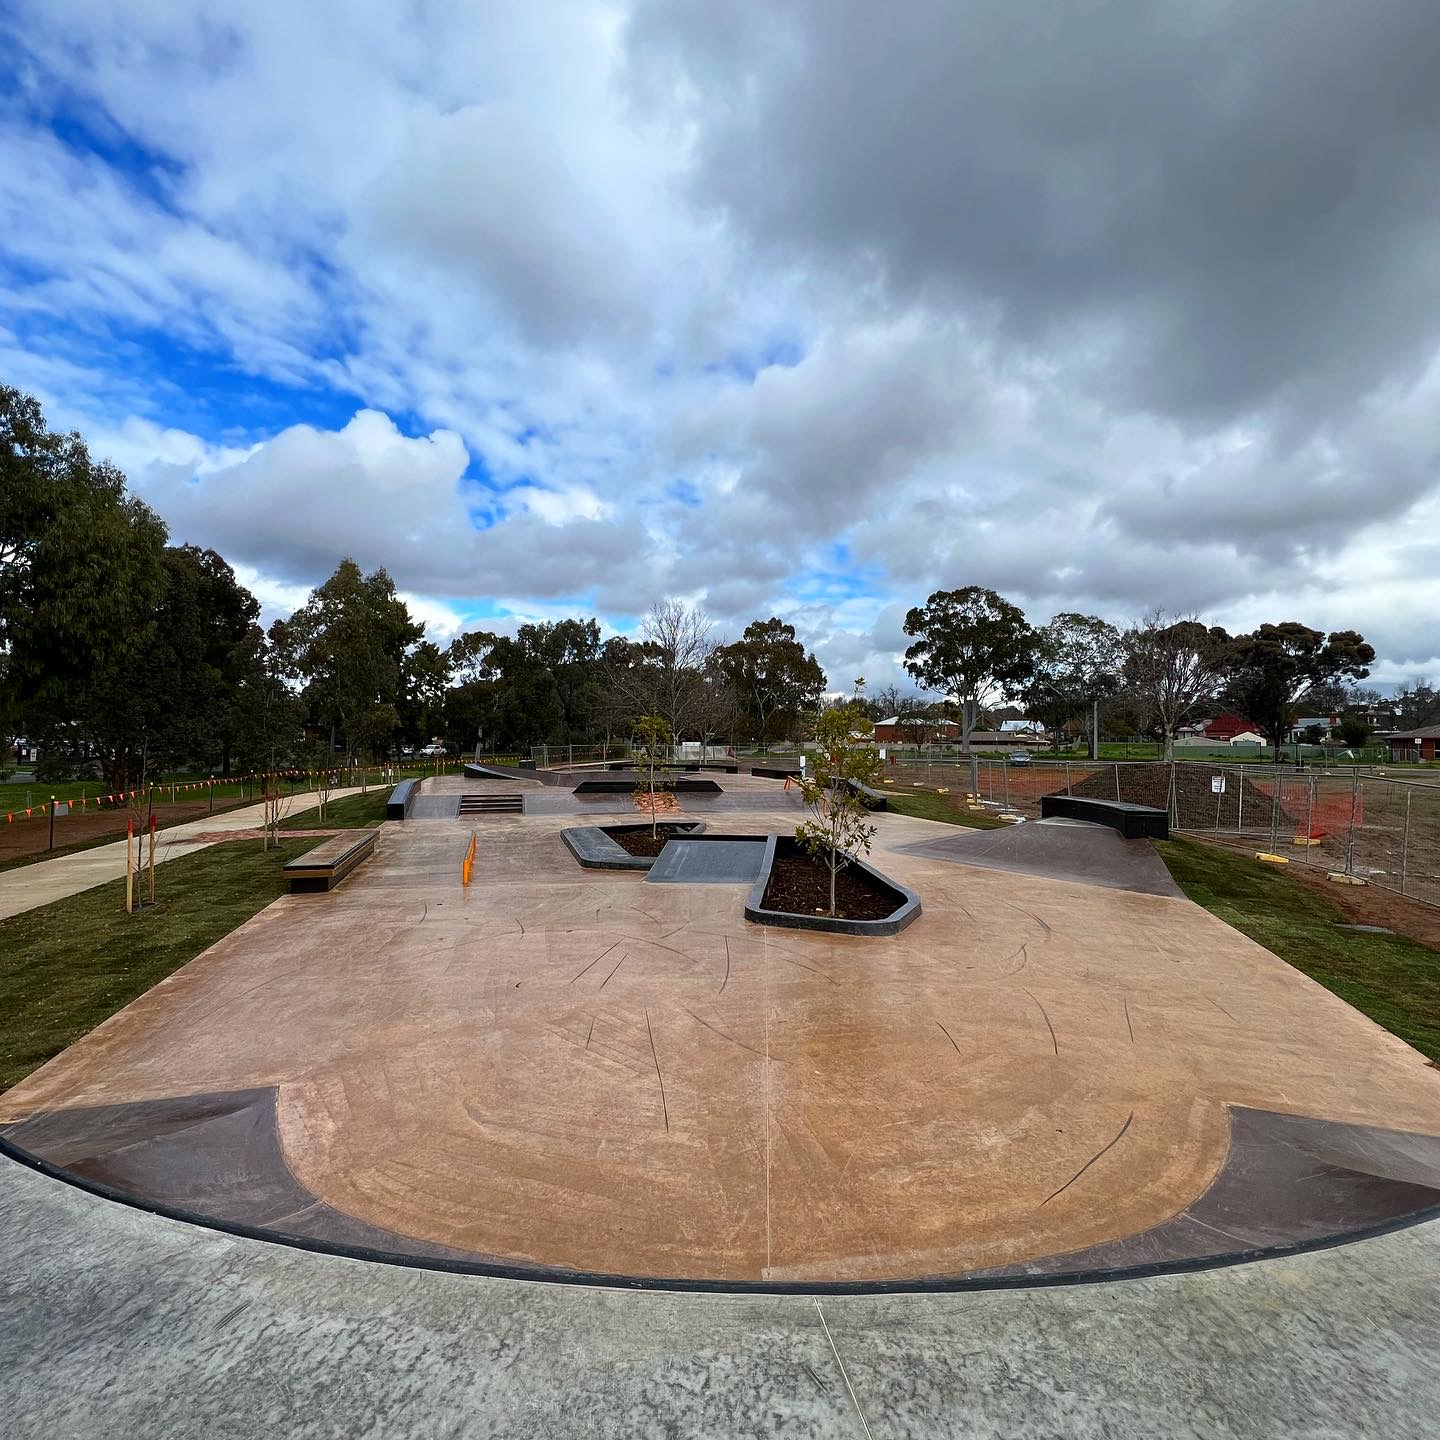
(1173, 667)
(1276, 668)
(971, 645)
(774, 679)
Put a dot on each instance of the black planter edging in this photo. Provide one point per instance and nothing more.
(1134, 822)
(595, 850)
(402, 797)
(684, 785)
(907, 902)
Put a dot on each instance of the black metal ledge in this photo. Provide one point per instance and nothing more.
(681, 785)
(1134, 822)
(402, 797)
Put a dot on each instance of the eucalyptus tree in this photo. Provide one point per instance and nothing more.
(772, 674)
(1275, 669)
(1076, 666)
(351, 640)
(972, 646)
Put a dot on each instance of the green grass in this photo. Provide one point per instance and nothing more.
(354, 812)
(922, 805)
(1393, 980)
(66, 967)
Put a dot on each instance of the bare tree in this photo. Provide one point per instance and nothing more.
(1174, 665)
(668, 672)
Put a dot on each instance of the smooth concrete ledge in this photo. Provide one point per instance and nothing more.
(688, 767)
(402, 797)
(595, 850)
(1134, 822)
(907, 902)
(869, 796)
(498, 772)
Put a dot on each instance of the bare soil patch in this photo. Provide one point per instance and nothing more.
(1372, 905)
(660, 802)
(801, 886)
(30, 838)
(1195, 803)
(642, 842)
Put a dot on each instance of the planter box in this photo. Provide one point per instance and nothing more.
(595, 850)
(906, 911)
(684, 785)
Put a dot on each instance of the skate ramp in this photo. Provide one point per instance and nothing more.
(1073, 850)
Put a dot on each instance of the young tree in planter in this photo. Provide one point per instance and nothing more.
(649, 739)
(839, 824)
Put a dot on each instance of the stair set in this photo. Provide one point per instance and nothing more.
(492, 805)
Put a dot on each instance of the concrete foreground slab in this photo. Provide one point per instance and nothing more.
(114, 1322)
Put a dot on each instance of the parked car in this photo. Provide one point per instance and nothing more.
(433, 750)
(1018, 757)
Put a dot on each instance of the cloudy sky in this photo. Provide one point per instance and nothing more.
(805, 308)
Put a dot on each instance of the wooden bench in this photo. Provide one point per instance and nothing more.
(324, 867)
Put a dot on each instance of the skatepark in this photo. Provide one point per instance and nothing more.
(1063, 1069)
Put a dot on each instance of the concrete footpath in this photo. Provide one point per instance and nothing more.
(117, 1322)
(28, 886)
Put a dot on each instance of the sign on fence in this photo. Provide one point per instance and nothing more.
(1217, 784)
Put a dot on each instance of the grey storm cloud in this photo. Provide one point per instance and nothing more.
(1211, 206)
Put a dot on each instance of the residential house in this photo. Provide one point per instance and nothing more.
(1417, 744)
(1226, 726)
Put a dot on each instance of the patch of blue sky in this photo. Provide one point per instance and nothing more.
(835, 577)
(782, 352)
(90, 132)
(686, 492)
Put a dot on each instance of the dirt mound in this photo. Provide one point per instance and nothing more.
(1193, 804)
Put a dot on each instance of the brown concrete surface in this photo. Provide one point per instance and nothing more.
(572, 1068)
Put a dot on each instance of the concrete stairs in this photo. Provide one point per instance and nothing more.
(492, 805)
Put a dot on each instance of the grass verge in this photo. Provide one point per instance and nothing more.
(353, 812)
(1393, 980)
(66, 967)
(926, 805)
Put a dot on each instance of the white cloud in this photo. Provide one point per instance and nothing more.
(677, 305)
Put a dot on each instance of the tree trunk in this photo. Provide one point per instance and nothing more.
(1169, 754)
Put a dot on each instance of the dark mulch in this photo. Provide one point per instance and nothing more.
(802, 887)
(642, 842)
